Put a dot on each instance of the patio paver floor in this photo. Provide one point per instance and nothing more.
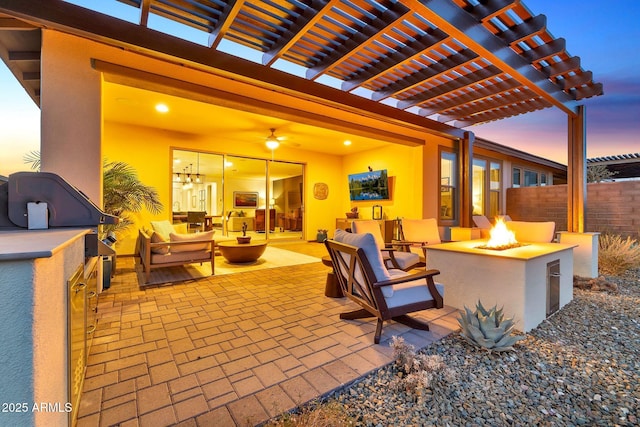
(230, 350)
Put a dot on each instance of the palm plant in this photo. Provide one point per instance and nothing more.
(123, 192)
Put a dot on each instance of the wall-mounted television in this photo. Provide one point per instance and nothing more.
(372, 185)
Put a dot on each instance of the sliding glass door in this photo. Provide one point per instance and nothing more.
(286, 199)
(246, 196)
(266, 195)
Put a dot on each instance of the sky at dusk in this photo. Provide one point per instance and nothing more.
(605, 35)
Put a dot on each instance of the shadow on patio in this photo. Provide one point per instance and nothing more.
(230, 350)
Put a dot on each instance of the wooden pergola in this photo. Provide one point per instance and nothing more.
(443, 65)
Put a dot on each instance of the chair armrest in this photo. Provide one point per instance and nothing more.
(408, 242)
(401, 243)
(409, 278)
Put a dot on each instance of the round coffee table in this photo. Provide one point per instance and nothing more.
(235, 252)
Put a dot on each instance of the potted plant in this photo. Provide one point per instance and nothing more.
(244, 238)
(322, 235)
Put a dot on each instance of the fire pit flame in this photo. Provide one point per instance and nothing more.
(501, 237)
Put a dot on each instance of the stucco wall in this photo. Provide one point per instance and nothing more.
(611, 206)
(33, 314)
(404, 168)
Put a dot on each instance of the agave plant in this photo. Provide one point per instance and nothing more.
(488, 329)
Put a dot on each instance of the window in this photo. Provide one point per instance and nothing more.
(487, 184)
(494, 189)
(528, 178)
(448, 182)
(543, 179)
(479, 182)
(517, 174)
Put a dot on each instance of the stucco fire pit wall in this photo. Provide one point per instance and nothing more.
(515, 279)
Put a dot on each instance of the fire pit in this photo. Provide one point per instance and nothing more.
(501, 238)
(530, 281)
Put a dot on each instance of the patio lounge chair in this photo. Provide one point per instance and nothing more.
(384, 294)
(392, 258)
(416, 234)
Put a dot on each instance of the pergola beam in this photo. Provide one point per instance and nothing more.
(465, 28)
(577, 172)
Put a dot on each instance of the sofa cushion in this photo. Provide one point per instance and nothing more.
(410, 292)
(369, 226)
(532, 232)
(157, 238)
(194, 237)
(164, 228)
(421, 230)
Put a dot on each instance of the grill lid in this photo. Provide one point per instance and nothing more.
(67, 206)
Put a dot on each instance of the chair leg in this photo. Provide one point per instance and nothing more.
(357, 314)
(376, 337)
(412, 322)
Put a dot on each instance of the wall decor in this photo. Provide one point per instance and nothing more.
(245, 199)
(376, 212)
(320, 190)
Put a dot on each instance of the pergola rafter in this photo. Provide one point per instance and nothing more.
(432, 55)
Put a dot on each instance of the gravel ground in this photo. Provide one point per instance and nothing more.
(579, 367)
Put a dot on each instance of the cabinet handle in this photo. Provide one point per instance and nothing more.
(79, 287)
(554, 275)
(91, 329)
(91, 294)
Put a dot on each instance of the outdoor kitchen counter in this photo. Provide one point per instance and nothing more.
(35, 266)
(22, 244)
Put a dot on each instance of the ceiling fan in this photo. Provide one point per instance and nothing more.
(272, 140)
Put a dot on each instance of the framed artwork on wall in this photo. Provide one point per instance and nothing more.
(245, 199)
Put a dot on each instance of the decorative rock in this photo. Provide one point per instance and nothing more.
(579, 367)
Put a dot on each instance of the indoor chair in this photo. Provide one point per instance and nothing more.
(196, 219)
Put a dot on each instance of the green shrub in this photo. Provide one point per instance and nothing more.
(617, 255)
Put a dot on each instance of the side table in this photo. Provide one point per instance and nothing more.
(332, 288)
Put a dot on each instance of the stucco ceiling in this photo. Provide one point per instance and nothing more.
(197, 120)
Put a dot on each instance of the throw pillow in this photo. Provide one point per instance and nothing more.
(194, 237)
(164, 228)
(157, 238)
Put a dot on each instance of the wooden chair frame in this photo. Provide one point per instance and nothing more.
(359, 284)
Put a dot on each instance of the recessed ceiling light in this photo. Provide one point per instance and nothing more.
(347, 142)
(162, 108)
